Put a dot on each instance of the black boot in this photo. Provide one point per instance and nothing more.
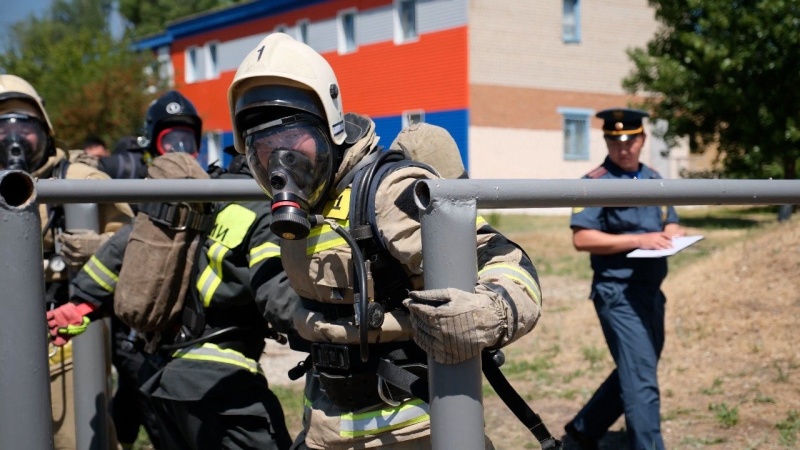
(584, 442)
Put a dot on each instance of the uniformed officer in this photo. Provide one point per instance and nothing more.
(626, 291)
(286, 108)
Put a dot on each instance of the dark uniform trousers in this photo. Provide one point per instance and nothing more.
(207, 406)
(632, 319)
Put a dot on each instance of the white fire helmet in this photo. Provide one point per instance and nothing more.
(281, 61)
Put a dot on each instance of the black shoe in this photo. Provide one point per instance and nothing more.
(584, 442)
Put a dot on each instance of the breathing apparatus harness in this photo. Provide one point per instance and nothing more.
(381, 285)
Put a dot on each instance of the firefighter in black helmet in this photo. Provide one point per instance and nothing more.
(171, 125)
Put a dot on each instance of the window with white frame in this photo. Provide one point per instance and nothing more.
(412, 117)
(214, 147)
(405, 21)
(302, 31)
(347, 31)
(192, 70)
(576, 133)
(571, 21)
(212, 65)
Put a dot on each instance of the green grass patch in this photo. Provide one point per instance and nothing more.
(725, 415)
(716, 388)
(789, 428)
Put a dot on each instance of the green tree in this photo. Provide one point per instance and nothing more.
(726, 73)
(152, 16)
(91, 83)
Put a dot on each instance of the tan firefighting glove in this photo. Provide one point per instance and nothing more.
(453, 325)
(77, 246)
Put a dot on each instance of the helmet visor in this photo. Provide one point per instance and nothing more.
(177, 139)
(290, 155)
(22, 142)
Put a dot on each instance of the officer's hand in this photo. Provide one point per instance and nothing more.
(655, 241)
(67, 321)
(78, 246)
(453, 325)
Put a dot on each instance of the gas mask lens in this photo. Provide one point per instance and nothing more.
(294, 159)
(179, 140)
(22, 142)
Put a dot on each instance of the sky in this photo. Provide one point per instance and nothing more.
(12, 11)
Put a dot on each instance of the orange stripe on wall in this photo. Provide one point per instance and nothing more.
(385, 79)
(377, 80)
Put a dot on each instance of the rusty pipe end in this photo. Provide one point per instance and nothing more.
(16, 189)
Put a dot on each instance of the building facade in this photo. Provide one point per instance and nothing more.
(515, 82)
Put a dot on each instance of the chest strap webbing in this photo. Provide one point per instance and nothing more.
(178, 216)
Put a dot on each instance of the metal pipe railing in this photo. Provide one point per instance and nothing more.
(89, 351)
(447, 205)
(25, 411)
(448, 209)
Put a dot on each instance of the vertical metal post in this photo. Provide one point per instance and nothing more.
(90, 383)
(25, 418)
(450, 258)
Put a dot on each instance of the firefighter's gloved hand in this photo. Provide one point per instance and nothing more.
(453, 325)
(68, 321)
(77, 246)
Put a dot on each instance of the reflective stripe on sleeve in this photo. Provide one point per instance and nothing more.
(209, 280)
(516, 274)
(323, 238)
(264, 251)
(212, 352)
(383, 420)
(101, 274)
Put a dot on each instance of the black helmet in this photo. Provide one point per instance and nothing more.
(171, 110)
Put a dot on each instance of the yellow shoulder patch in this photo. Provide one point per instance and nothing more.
(577, 209)
(231, 225)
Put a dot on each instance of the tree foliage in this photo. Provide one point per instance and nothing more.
(726, 73)
(152, 16)
(91, 83)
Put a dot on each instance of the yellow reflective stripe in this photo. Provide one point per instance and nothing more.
(383, 420)
(210, 279)
(264, 251)
(517, 274)
(480, 221)
(324, 238)
(101, 274)
(213, 353)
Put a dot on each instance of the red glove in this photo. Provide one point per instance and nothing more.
(67, 321)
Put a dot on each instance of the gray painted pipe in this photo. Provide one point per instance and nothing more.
(90, 381)
(448, 249)
(489, 193)
(560, 193)
(25, 414)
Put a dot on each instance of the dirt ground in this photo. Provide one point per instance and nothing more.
(728, 373)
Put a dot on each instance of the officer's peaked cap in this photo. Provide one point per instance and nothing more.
(621, 124)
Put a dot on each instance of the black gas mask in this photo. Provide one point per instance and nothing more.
(17, 133)
(292, 161)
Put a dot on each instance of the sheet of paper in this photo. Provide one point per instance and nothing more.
(678, 244)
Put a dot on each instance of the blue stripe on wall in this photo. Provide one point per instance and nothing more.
(454, 121)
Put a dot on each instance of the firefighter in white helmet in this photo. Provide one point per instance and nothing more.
(286, 108)
(26, 143)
